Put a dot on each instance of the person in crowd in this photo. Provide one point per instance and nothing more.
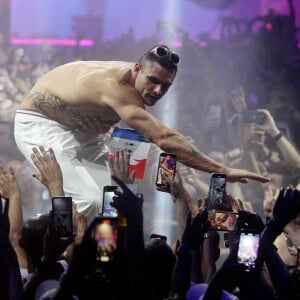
(97, 95)
(161, 261)
(282, 174)
(11, 285)
(10, 189)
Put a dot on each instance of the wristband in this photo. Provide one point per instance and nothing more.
(207, 235)
(277, 137)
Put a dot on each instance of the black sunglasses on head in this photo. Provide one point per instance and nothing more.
(161, 51)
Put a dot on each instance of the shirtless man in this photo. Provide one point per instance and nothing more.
(71, 107)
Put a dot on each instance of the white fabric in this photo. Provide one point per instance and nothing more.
(83, 178)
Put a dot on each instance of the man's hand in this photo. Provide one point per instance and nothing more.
(89, 127)
(243, 176)
(50, 172)
(119, 166)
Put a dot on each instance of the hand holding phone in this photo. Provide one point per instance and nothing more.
(253, 116)
(166, 169)
(108, 194)
(106, 235)
(218, 200)
(222, 220)
(248, 249)
(62, 216)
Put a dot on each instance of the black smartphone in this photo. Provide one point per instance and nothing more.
(248, 249)
(62, 216)
(253, 116)
(217, 193)
(107, 209)
(222, 220)
(106, 235)
(166, 169)
(298, 261)
(158, 236)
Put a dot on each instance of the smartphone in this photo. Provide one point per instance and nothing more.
(166, 169)
(248, 249)
(253, 116)
(62, 216)
(106, 235)
(158, 236)
(217, 193)
(222, 220)
(108, 194)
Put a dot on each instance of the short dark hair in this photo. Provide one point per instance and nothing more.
(32, 234)
(164, 61)
(161, 261)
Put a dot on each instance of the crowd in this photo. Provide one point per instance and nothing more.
(248, 120)
(37, 263)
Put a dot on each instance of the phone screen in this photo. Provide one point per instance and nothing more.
(108, 194)
(166, 169)
(248, 249)
(106, 235)
(62, 216)
(217, 193)
(253, 116)
(222, 220)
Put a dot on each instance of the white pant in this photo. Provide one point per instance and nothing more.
(83, 166)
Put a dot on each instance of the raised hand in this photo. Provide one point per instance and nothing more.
(128, 203)
(8, 183)
(50, 172)
(119, 166)
(286, 208)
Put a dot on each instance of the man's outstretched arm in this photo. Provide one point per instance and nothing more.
(173, 142)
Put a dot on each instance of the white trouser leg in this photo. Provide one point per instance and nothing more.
(83, 180)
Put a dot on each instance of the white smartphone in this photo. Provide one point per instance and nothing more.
(248, 249)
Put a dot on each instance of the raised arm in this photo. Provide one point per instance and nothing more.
(171, 141)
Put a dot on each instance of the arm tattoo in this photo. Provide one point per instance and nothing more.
(47, 103)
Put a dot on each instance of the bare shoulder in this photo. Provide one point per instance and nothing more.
(96, 82)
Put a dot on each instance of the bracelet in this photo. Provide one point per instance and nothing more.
(206, 235)
(277, 137)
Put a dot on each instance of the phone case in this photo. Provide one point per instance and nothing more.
(166, 169)
(222, 220)
(62, 214)
(217, 193)
(248, 249)
(108, 194)
(106, 235)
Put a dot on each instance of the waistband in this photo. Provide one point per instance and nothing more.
(30, 112)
